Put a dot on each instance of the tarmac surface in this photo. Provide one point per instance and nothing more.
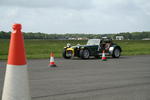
(126, 78)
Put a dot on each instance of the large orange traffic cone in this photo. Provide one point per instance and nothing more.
(103, 56)
(52, 62)
(16, 83)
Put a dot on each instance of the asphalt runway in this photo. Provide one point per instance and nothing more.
(127, 78)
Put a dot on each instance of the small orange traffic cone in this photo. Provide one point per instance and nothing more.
(16, 83)
(52, 62)
(103, 56)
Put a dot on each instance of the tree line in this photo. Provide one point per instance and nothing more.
(39, 35)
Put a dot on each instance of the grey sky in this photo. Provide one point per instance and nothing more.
(76, 16)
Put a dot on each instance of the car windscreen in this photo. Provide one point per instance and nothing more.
(93, 42)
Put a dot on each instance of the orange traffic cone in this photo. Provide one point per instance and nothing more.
(103, 56)
(16, 84)
(52, 62)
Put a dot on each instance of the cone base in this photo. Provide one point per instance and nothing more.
(104, 59)
(52, 65)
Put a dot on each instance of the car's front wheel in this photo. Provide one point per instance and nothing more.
(116, 53)
(84, 54)
(67, 54)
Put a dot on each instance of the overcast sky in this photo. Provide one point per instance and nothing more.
(76, 16)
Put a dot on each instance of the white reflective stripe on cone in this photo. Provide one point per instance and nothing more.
(16, 83)
(103, 55)
(52, 59)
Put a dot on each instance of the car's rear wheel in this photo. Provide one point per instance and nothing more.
(116, 53)
(84, 54)
(67, 54)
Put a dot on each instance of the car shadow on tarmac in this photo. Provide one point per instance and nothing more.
(93, 58)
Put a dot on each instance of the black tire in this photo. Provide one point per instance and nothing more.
(84, 54)
(65, 56)
(116, 53)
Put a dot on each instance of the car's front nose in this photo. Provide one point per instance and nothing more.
(70, 50)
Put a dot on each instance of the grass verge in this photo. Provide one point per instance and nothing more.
(39, 49)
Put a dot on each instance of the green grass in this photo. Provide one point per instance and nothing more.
(43, 48)
(135, 47)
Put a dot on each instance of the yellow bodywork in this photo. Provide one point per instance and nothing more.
(70, 49)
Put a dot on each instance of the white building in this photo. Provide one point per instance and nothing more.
(146, 39)
(119, 37)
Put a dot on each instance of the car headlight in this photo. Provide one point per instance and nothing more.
(68, 45)
(78, 44)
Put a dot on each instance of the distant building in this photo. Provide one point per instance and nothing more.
(146, 39)
(82, 38)
(119, 37)
(77, 38)
(72, 38)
